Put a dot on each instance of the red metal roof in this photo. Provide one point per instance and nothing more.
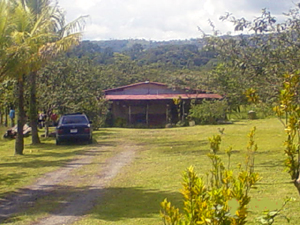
(136, 84)
(163, 96)
(147, 82)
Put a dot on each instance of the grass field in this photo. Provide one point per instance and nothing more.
(134, 196)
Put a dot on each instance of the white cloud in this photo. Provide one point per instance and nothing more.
(162, 19)
(95, 31)
(85, 5)
(209, 7)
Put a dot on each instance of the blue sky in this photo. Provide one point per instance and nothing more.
(158, 20)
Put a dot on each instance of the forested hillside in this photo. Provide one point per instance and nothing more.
(123, 45)
(179, 54)
(234, 66)
(175, 64)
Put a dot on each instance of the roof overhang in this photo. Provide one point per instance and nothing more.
(134, 85)
(162, 97)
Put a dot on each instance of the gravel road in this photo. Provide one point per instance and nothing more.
(76, 204)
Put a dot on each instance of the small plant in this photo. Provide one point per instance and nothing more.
(179, 103)
(120, 122)
(209, 202)
(251, 150)
(252, 96)
(181, 123)
(268, 217)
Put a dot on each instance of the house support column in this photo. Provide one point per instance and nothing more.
(147, 114)
(168, 119)
(129, 113)
(183, 112)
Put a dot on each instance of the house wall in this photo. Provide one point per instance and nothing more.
(145, 89)
(149, 112)
(119, 110)
(138, 112)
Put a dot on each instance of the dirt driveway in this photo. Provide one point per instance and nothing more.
(59, 183)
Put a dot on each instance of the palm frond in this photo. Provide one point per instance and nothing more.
(75, 26)
(50, 50)
(33, 31)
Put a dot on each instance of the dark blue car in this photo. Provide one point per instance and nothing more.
(74, 127)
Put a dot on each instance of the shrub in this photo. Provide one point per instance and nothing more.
(221, 200)
(120, 122)
(208, 112)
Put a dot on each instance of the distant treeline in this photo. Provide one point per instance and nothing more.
(124, 45)
(178, 53)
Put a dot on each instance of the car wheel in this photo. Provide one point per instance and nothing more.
(90, 141)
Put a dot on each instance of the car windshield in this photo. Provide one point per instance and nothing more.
(74, 119)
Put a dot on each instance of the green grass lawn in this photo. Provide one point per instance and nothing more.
(17, 171)
(134, 196)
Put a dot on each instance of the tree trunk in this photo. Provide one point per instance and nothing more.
(1, 117)
(6, 118)
(296, 177)
(33, 113)
(19, 146)
(47, 122)
(297, 185)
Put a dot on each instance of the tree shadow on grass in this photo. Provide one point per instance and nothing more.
(123, 203)
(51, 146)
(111, 204)
(104, 133)
(273, 183)
(182, 143)
(10, 179)
(270, 163)
(183, 147)
(36, 162)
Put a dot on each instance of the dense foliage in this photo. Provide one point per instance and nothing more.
(72, 85)
(209, 112)
(257, 61)
(288, 110)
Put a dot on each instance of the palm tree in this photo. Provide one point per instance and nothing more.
(34, 38)
(62, 33)
(14, 54)
(6, 28)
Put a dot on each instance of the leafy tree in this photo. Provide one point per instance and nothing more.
(135, 51)
(259, 62)
(256, 60)
(32, 42)
(7, 99)
(71, 85)
(122, 72)
(6, 27)
(17, 31)
(208, 112)
(63, 38)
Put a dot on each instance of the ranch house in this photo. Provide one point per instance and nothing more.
(150, 103)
